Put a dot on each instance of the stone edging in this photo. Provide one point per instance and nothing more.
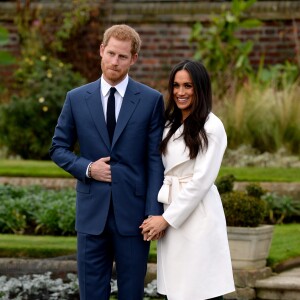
(292, 188)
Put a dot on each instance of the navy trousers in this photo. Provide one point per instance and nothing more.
(95, 256)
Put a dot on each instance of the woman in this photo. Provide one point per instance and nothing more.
(193, 258)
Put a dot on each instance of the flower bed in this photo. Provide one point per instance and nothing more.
(44, 287)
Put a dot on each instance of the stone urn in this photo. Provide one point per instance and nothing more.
(249, 246)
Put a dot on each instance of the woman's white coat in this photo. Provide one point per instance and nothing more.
(193, 258)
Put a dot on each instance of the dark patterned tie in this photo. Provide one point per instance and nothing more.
(111, 114)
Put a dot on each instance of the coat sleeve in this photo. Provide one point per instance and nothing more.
(206, 169)
(64, 139)
(155, 167)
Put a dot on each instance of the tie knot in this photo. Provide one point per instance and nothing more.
(112, 90)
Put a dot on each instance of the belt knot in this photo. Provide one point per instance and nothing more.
(171, 184)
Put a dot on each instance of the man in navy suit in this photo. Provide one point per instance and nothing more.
(117, 180)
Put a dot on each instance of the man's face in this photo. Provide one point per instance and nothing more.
(116, 60)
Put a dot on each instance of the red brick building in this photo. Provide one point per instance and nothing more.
(165, 27)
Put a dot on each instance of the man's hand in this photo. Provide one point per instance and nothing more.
(100, 169)
(153, 226)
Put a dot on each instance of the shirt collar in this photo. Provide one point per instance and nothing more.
(120, 87)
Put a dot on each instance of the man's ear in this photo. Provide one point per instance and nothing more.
(134, 59)
(101, 50)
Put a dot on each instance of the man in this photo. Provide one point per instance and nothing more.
(119, 176)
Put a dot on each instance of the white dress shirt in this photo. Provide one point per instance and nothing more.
(119, 94)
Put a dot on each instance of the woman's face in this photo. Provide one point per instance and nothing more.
(183, 91)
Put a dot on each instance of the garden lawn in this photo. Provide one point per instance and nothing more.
(262, 174)
(27, 246)
(33, 168)
(285, 245)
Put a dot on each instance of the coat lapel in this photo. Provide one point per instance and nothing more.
(130, 101)
(177, 152)
(94, 103)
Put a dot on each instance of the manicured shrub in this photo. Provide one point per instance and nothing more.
(225, 183)
(243, 210)
(255, 190)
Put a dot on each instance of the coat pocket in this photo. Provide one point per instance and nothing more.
(82, 187)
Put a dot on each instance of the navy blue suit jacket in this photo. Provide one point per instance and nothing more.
(136, 166)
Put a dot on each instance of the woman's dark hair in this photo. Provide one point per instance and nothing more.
(194, 134)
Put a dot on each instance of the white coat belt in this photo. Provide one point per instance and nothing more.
(171, 184)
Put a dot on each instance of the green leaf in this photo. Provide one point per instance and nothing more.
(250, 23)
(3, 36)
(240, 61)
(6, 58)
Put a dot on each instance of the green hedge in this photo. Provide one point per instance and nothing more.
(37, 210)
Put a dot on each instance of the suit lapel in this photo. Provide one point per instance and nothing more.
(130, 101)
(94, 103)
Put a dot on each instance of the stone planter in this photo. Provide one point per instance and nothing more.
(249, 246)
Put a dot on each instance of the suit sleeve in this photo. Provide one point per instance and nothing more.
(154, 165)
(206, 170)
(63, 141)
